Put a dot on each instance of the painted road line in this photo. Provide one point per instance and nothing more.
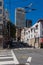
(27, 64)
(5, 57)
(29, 59)
(14, 57)
(6, 62)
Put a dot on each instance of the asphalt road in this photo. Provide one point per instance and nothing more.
(21, 56)
(35, 56)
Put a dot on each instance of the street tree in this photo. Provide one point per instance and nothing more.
(11, 29)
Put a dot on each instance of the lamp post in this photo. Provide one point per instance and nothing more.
(9, 30)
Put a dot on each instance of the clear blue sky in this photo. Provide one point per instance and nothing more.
(33, 15)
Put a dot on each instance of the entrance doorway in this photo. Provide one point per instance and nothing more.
(41, 45)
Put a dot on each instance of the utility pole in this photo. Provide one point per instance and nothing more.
(9, 29)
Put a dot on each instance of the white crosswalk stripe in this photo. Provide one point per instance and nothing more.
(14, 57)
(6, 57)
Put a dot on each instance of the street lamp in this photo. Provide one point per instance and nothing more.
(32, 9)
(29, 7)
(8, 28)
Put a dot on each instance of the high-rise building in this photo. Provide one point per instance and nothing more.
(5, 20)
(20, 20)
(1, 22)
(28, 23)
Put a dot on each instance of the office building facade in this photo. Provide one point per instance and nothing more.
(28, 23)
(20, 20)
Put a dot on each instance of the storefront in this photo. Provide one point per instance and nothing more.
(41, 42)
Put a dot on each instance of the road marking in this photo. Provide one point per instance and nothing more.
(6, 62)
(23, 48)
(5, 57)
(29, 60)
(14, 57)
(23, 56)
(27, 64)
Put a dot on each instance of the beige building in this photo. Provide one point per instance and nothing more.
(22, 35)
(18, 34)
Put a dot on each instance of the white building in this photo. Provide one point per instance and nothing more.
(33, 35)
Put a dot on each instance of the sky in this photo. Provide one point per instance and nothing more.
(35, 15)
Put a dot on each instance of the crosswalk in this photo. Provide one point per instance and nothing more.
(6, 57)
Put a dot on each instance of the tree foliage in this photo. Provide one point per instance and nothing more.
(12, 29)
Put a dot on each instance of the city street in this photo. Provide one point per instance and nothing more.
(21, 56)
(21, 32)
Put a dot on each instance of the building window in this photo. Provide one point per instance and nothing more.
(0, 18)
(26, 33)
(36, 40)
(32, 30)
(42, 24)
(1, 32)
(0, 27)
(42, 32)
(36, 27)
(29, 32)
(27, 39)
(31, 36)
(0, 3)
(0, 11)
